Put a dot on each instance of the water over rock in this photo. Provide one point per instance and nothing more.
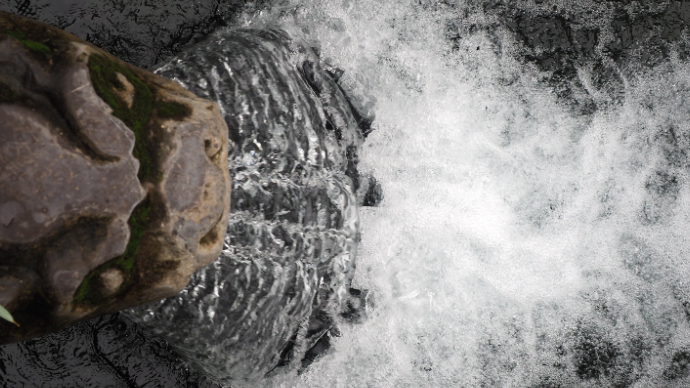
(114, 186)
(108, 351)
(275, 293)
(140, 32)
(288, 257)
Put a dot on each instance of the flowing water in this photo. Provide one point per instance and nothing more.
(534, 163)
(532, 232)
(290, 246)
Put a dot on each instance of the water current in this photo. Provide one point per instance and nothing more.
(534, 161)
(534, 230)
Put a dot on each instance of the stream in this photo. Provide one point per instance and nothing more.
(533, 158)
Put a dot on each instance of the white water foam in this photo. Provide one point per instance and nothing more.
(517, 237)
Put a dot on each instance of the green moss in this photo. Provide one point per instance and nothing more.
(138, 118)
(30, 44)
(103, 74)
(173, 110)
(89, 291)
(36, 46)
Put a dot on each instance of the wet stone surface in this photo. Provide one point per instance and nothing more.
(611, 40)
(142, 33)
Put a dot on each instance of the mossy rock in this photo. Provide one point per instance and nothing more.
(114, 187)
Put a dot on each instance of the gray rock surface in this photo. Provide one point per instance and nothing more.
(114, 186)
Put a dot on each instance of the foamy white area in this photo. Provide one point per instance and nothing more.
(509, 221)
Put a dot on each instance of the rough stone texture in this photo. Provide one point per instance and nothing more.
(114, 185)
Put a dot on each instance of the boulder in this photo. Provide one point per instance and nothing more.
(114, 186)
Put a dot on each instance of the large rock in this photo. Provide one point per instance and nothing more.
(114, 185)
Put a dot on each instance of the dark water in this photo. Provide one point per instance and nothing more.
(618, 42)
(110, 351)
(140, 32)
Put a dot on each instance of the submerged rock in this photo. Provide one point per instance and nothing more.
(108, 351)
(288, 258)
(114, 186)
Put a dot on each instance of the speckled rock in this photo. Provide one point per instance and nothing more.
(114, 185)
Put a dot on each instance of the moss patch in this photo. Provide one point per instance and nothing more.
(103, 74)
(90, 291)
(141, 116)
(173, 110)
(30, 44)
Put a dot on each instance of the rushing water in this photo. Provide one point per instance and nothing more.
(534, 162)
(534, 229)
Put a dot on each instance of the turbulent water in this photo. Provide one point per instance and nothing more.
(534, 161)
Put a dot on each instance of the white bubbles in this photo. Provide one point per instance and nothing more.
(518, 236)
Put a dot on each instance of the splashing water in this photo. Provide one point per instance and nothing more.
(523, 241)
